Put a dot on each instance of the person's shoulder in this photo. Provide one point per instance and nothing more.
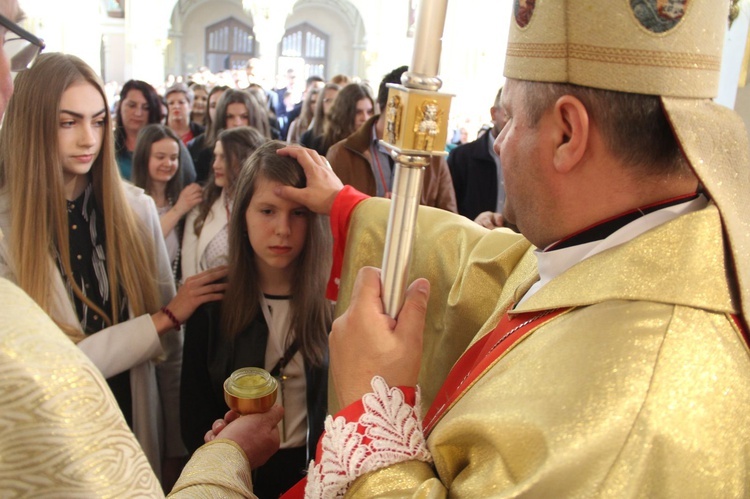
(196, 128)
(141, 203)
(133, 192)
(196, 143)
(336, 149)
(469, 147)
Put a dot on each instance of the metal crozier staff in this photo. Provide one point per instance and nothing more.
(416, 128)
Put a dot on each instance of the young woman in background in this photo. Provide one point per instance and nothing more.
(205, 241)
(156, 164)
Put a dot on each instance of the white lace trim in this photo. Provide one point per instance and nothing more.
(395, 432)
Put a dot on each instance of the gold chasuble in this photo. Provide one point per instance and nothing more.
(62, 434)
(637, 386)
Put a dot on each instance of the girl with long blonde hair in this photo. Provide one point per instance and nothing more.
(81, 243)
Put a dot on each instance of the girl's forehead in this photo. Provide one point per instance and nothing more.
(265, 185)
(264, 192)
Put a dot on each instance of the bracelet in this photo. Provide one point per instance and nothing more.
(171, 316)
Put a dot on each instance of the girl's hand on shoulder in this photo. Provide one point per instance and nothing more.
(322, 183)
(190, 197)
(197, 290)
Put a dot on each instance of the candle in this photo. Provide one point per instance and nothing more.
(428, 37)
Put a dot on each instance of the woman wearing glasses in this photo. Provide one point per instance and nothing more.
(81, 243)
(20, 49)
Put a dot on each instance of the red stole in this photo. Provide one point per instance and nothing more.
(481, 356)
(474, 362)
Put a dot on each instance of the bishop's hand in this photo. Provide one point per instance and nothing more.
(366, 342)
(322, 184)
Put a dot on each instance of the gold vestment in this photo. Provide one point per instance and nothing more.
(642, 390)
(62, 433)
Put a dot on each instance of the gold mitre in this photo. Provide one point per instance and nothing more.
(669, 48)
(657, 47)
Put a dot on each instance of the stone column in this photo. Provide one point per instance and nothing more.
(146, 37)
(269, 19)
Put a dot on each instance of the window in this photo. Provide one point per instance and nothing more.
(310, 44)
(229, 44)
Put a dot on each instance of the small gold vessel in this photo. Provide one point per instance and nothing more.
(250, 390)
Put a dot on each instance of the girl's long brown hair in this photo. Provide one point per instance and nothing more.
(238, 144)
(339, 123)
(31, 173)
(310, 311)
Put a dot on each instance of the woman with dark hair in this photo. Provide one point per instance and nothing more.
(302, 122)
(274, 316)
(353, 106)
(204, 243)
(156, 164)
(240, 108)
(202, 147)
(322, 108)
(235, 108)
(139, 106)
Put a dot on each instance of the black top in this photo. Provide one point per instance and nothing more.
(209, 358)
(203, 158)
(474, 174)
(88, 263)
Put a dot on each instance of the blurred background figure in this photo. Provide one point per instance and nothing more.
(156, 163)
(179, 105)
(139, 106)
(205, 241)
(301, 123)
(200, 104)
(478, 175)
(353, 106)
(322, 108)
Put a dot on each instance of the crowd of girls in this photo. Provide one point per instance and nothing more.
(101, 250)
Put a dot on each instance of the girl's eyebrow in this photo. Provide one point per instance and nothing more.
(79, 115)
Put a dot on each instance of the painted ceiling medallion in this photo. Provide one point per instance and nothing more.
(523, 9)
(659, 16)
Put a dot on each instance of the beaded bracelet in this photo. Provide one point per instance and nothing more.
(171, 316)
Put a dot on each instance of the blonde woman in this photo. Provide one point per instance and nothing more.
(81, 243)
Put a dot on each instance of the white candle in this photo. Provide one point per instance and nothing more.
(428, 37)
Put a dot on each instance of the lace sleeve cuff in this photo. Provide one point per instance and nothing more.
(382, 429)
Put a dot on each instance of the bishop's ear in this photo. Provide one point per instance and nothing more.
(571, 120)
